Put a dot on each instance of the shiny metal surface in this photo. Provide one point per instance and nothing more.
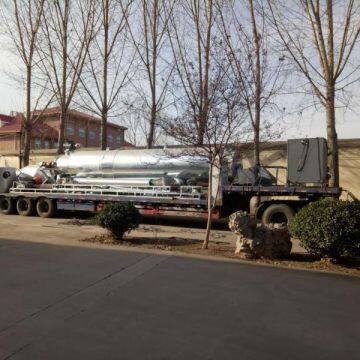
(164, 161)
(107, 181)
(136, 181)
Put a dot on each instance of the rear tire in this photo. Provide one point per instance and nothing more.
(25, 206)
(277, 214)
(7, 206)
(46, 208)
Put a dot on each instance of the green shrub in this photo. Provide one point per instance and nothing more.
(119, 218)
(329, 228)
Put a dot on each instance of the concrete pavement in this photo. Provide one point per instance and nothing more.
(61, 299)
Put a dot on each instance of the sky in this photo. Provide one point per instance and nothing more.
(311, 124)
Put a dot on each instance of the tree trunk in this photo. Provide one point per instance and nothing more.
(27, 123)
(104, 112)
(201, 129)
(27, 143)
(332, 137)
(258, 87)
(257, 147)
(104, 129)
(62, 129)
(150, 139)
(210, 209)
(152, 74)
(64, 95)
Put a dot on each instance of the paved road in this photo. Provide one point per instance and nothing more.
(93, 302)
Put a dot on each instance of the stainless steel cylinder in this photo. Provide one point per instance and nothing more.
(164, 161)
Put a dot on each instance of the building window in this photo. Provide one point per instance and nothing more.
(70, 131)
(92, 135)
(46, 144)
(81, 132)
(110, 138)
(37, 143)
(118, 140)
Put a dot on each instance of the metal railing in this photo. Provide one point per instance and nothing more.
(188, 192)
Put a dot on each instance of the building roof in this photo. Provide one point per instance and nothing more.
(14, 124)
(75, 113)
(128, 144)
(43, 130)
(11, 124)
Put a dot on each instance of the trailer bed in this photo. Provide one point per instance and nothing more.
(184, 195)
(164, 200)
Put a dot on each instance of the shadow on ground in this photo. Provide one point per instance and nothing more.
(177, 221)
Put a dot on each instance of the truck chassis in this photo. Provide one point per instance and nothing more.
(159, 200)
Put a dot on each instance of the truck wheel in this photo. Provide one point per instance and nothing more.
(277, 214)
(25, 206)
(7, 206)
(46, 208)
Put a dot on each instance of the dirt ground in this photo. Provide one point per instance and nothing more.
(188, 240)
(221, 246)
(172, 236)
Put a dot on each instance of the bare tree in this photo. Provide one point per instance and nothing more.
(22, 20)
(256, 69)
(110, 64)
(191, 37)
(68, 29)
(225, 124)
(148, 31)
(320, 38)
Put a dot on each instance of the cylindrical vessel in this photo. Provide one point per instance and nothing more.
(163, 161)
(107, 181)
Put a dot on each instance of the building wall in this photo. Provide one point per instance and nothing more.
(78, 129)
(9, 142)
(87, 132)
(9, 161)
(349, 157)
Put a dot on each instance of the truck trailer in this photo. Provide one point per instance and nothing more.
(168, 182)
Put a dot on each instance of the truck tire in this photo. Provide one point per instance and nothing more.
(46, 208)
(25, 206)
(7, 206)
(277, 214)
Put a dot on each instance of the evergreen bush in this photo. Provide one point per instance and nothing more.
(329, 228)
(119, 218)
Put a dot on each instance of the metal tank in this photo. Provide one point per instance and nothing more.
(145, 161)
(128, 181)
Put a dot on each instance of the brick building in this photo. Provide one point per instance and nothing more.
(80, 128)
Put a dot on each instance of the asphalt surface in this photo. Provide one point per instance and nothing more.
(91, 302)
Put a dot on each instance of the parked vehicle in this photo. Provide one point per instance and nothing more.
(166, 182)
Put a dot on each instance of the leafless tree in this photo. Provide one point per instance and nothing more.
(225, 124)
(320, 38)
(22, 20)
(191, 37)
(148, 29)
(68, 29)
(110, 63)
(134, 132)
(255, 67)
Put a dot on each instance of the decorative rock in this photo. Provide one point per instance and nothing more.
(241, 223)
(255, 241)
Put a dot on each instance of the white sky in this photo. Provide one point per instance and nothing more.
(311, 124)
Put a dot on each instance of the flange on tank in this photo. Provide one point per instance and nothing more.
(7, 178)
